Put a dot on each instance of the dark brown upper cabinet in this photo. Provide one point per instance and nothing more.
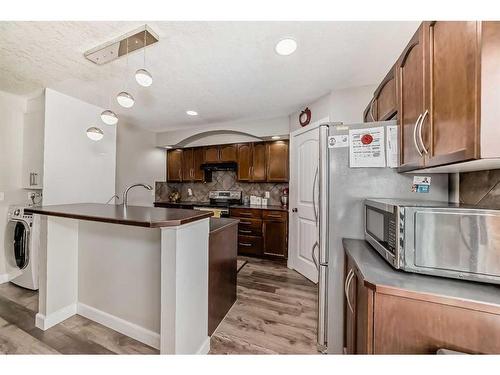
(244, 159)
(211, 154)
(410, 79)
(192, 158)
(227, 153)
(451, 120)
(174, 165)
(252, 162)
(386, 102)
(277, 161)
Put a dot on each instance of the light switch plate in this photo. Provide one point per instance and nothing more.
(2, 196)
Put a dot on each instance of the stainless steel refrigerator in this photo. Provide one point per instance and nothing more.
(342, 190)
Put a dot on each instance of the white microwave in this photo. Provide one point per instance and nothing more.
(436, 238)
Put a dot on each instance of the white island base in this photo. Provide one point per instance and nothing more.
(148, 283)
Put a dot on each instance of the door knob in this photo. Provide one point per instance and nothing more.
(294, 210)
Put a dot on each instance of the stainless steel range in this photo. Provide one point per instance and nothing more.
(220, 200)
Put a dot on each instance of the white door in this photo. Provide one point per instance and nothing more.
(304, 158)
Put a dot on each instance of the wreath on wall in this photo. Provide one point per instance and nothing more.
(305, 117)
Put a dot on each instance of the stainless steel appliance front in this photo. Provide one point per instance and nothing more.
(441, 239)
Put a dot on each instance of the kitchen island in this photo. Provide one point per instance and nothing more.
(141, 271)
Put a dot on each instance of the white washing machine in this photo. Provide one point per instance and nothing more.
(21, 249)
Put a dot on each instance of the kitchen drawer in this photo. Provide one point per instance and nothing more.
(249, 245)
(250, 227)
(243, 212)
(274, 215)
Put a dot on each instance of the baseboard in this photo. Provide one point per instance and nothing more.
(4, 277)
(120, 325)
(205, 347)
(45, 322)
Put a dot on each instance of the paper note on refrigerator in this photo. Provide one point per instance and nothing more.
(392, 146)
(367, 148)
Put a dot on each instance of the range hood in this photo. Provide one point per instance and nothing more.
(211, 167)
(226, 166)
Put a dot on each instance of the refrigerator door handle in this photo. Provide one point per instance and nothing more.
(313, 196)
(313, 256)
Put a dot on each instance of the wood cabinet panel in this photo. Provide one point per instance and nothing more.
(249, 245)
(258, 162)
(410, 78)
(452, 69)
(198, 160)
(211, 154)
(407, 326)
(250, 227)
(227, 153)
(275, 234)
(174, 165)
(277, 161)
(245, 212)
(386, 105)
(244, 156)
(187, 164)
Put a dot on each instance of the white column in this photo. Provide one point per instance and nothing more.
(58, 277)
(184, 289)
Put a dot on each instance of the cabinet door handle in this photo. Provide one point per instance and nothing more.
(420, 131)
(31, 179)
(415, 134)
(35, 182)
(180, 175)
(350, 276)
(245, 244)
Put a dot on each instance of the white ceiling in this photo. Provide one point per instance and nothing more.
(224, 70)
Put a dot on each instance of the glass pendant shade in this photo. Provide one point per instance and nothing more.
(143, 78)
(109, 117)
(125, 99)
(95, 134)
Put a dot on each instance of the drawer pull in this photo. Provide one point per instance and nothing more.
(245, 213)
(245, 231)
(245, 244)
(245, 223)
(276, 216)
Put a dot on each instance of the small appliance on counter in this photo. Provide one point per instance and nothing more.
(255, 200)
(436, 238)
(174, 196)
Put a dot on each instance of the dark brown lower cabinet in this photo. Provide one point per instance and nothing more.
(262, 232)
(390, 320)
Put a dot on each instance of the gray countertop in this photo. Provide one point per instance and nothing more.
(380, 276)
(201, 204)
(149, 217)
(217, 224)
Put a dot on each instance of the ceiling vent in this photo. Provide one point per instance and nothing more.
(117, 48)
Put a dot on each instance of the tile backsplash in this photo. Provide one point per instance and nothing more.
(221, 180)
(482, 187)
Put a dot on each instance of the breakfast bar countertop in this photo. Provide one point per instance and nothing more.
(148, 217)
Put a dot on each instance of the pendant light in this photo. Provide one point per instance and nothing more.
(125, 99)
(109, 117)
(95, 133)
(142, 76)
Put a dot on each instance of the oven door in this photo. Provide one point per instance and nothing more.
(381, 231)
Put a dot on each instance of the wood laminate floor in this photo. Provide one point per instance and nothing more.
(275, 314)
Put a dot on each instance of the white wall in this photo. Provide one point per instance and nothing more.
(255, 128)
(12, 109)
(345, 105)
(76, 169)
(138, 160)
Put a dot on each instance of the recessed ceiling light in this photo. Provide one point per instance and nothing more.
(275, 137)
(286, 47)
(192, 113)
